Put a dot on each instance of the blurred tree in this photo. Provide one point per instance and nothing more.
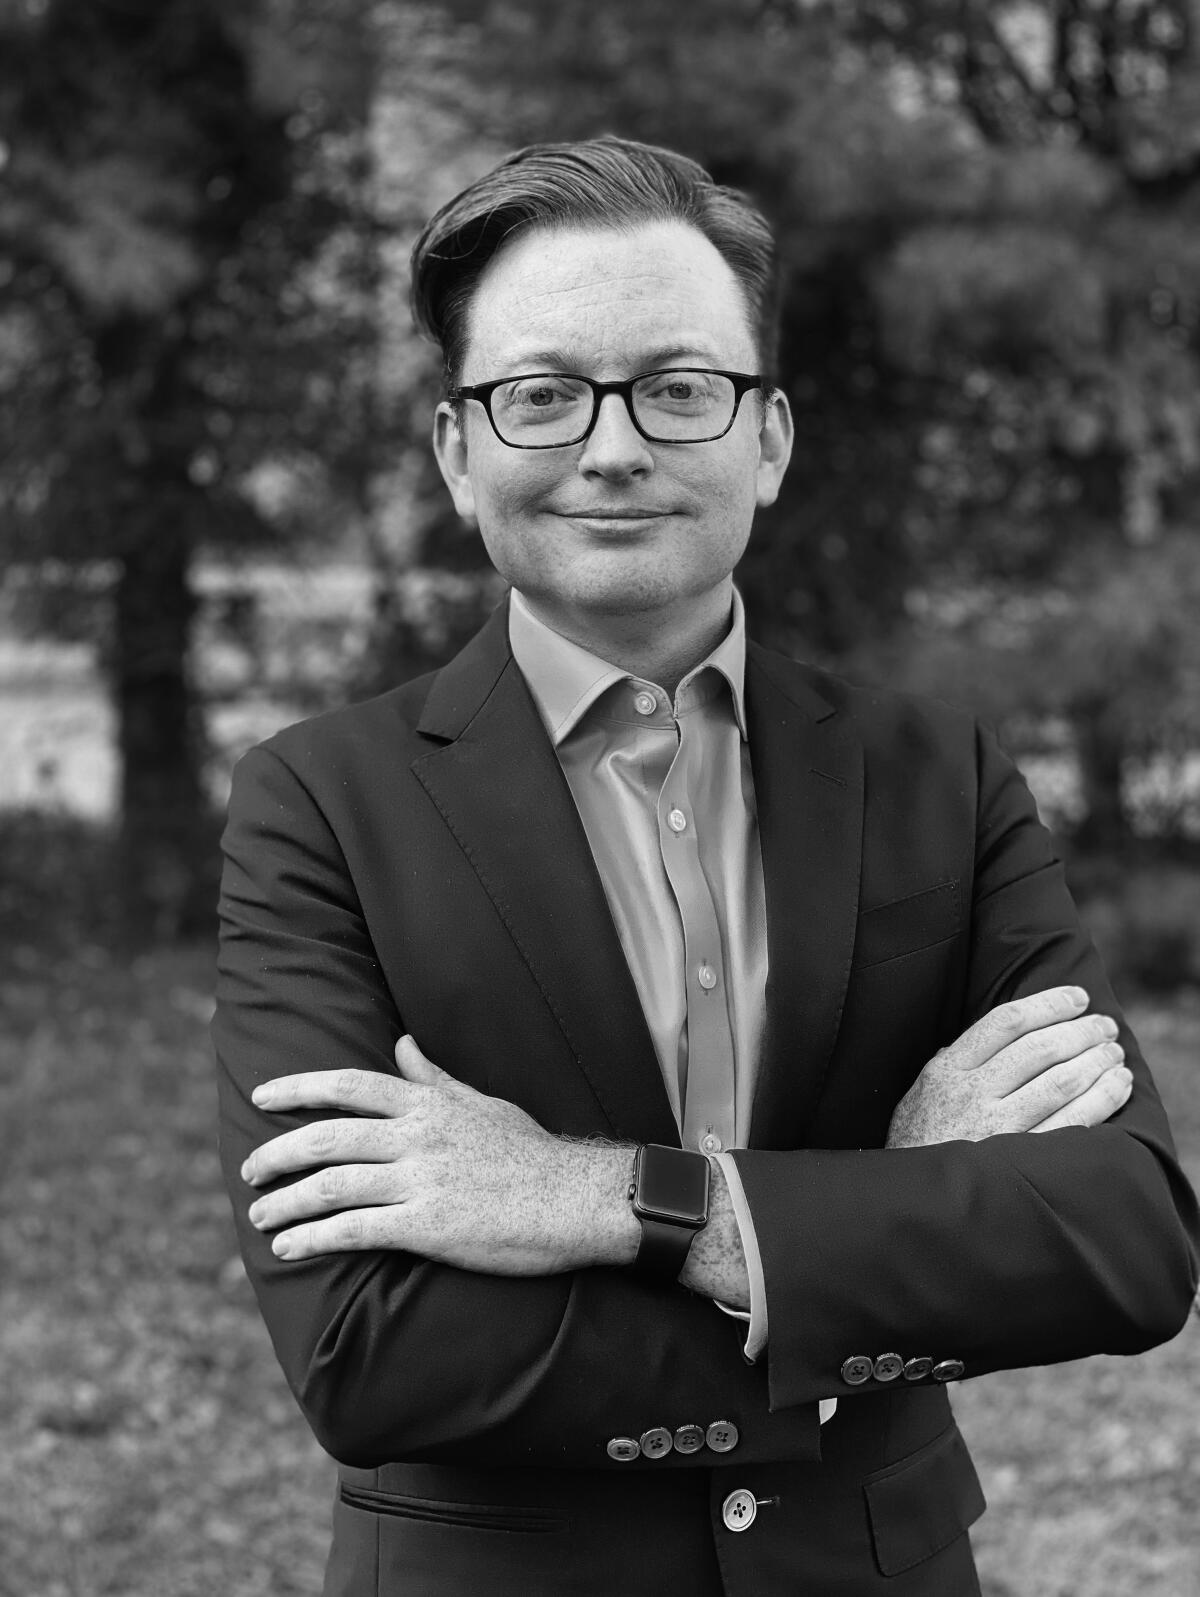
(177, 194)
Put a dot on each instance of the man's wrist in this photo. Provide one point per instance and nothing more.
(609, 1230)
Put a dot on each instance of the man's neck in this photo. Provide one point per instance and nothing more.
(646, 644)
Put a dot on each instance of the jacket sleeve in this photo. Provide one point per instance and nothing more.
(1016, 1250)
(392, 1357)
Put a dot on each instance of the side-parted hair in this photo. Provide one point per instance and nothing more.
(603, 182)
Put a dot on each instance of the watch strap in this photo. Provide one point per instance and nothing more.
(663, 1250)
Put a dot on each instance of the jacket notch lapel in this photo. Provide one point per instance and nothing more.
(493, 775)
(808, 782)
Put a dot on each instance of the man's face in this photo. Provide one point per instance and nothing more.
(613, 525)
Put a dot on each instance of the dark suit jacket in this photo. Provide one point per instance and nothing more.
(416, 863)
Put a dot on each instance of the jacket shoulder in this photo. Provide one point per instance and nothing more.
(876, 714)
(387, 721)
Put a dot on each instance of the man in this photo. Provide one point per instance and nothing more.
(622, 977)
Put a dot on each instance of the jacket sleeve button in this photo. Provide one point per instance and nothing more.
(689, 1439)
(857, 1369)
(656, 1443)
(623, 1449)
(917, 1369)
(949, 1370)
(888, 1366)
(722, 1436)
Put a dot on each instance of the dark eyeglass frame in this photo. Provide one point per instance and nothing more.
(743, 383)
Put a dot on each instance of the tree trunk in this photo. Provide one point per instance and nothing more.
(165, 832)
(1105, 828)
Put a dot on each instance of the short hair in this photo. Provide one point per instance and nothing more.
(601, 182)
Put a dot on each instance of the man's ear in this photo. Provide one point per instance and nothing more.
(450, 448)
(774, 447)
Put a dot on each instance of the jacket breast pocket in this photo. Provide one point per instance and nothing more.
(463, 1516)
(907, 925)
(922, 1503)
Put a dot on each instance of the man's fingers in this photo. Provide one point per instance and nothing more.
(355, 1231)
(413, 1065)
(1102, 1099)
(1007, 1022)
(324, 1142)
(1030, 1056)
(359, 1092)
(1060, 1087)
(345, 1186)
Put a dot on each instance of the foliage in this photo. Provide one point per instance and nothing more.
(174, 235)
(988, 223)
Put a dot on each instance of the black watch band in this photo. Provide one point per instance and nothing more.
(663, 1249)
(669, 1193)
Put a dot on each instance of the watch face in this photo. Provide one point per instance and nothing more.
(673, 1185)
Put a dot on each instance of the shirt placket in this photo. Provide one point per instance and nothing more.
(707, 1088)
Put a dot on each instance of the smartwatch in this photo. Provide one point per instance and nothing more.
(669, 1193)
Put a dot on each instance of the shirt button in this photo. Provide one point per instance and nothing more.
(739, 1510)
(722, 1436)
(656, 1443)
(645, 703)
(677, 821)
(710, 1142)
(623, 1449)
(689, 1439)
(707, 977)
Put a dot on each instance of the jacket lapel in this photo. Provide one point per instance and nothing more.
(494, 777)
(808, 783)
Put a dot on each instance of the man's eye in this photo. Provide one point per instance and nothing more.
(536, 396)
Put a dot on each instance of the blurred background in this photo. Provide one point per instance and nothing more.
(218, 513)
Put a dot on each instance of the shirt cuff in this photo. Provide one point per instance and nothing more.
(756, 1331)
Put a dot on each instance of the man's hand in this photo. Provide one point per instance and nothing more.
(430, 1166)
(1036, 1064)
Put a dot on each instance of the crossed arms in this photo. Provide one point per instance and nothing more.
(473, 1307)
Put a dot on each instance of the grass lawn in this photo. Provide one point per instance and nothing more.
(152, 1450)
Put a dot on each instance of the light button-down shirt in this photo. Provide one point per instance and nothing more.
(666, 795)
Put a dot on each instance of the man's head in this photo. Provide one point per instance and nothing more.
(598, 183)
(605, 261)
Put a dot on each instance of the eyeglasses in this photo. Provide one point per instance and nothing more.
(549, 410)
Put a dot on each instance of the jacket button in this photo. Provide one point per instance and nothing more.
(948, 1370)
(722, 1436)
(917, 1369)
(656, 1443)
(689, 1439)
(623, 1449)
(888, 1366)
(858, 1369)
(739, 1510)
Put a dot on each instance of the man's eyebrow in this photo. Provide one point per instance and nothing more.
(566, 360)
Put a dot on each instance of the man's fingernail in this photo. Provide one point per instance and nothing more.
(263, 1094)
(248, 1172)
(1077, 995)
(282, 1247)
(255, 1212)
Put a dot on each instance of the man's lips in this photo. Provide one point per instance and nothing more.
(612, 513)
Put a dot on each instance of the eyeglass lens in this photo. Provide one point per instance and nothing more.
(670, 406)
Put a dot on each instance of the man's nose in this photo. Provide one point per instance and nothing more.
(614, 447)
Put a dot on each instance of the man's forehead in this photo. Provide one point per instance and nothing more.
(657, 293)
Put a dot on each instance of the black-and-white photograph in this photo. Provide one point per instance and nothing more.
(599, 798)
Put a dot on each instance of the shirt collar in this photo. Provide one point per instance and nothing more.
(566, 680)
